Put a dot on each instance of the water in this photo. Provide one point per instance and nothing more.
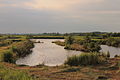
(51, 54)
(113, 50)
(47, 53)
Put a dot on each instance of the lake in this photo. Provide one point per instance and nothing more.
(113, 50)
(51, 54)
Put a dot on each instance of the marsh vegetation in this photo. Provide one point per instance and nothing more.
(82, 53)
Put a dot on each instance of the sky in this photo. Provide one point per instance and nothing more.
(39, 16)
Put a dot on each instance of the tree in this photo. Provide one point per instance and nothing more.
(87, 39)
(69, 40)
(29, 37)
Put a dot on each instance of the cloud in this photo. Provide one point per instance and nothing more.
(57, 4)
(9, 5)
(101, 12)
(59, 15)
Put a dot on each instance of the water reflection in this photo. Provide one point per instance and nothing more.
(51, 54)
(48, 53)
(113, 50)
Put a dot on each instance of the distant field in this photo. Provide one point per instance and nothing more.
(79, 37)
(48, 37)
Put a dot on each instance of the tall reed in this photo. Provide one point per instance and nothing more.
(85, 59)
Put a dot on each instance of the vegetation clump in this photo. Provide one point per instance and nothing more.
(113, 42)
(86, 45)
(59, 43)
(8, 56)
(18, 49)
(23, 48)
(86, 59)
(5, 43)
(116, 56)
(11, 74)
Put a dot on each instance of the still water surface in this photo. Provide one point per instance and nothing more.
(48, 53)
(51, 54)
(113, 50)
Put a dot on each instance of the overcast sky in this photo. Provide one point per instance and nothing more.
(37, 16)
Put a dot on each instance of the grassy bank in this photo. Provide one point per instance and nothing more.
(87, 66)
(59, 43)
(108, 71)
(85, 44)
(23, 48)
(86, 59)
(7, 73)
(16, 50)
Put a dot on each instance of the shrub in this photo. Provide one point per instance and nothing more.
(115, 42)
(92, 47)
(8, 56)
(23, 48)
(86, 45)
(116, 56)
(75, 46)
(85, 59)
(108, 54)
(87, 39)
(69, 40)
(5, 43)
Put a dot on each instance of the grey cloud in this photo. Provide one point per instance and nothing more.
(97, 17)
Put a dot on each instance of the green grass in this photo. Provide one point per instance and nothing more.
(8, 56)
(79, 37)
(48, 37)
(85, 59)
(59, 43)
(12, 74)
(2, 51)
(15, 50)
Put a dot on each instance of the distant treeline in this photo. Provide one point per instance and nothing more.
(113, 34)
(48, 37)
(94, 35)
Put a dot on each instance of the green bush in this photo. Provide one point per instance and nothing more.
(86, 44)
(19, 49)
(69, 40)
(5, 43)
(115, 42)
(23, 48)
(86, 59)
(92, 47)
(8, 56)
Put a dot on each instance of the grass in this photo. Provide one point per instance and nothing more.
(79, 37)
(48, 37)
(85, 59)
(2, 51)
(62, 73)
(23, 48)
(8, 56)
(71, 69)
(15, 50)
(59, 43)
(12, 74)
(75, 46)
